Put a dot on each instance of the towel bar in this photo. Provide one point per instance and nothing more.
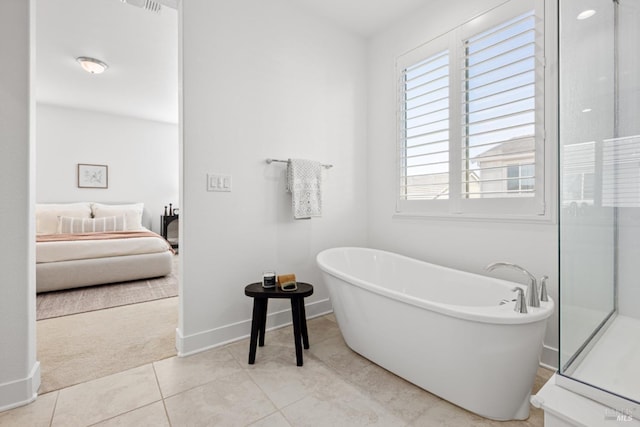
(269, 161)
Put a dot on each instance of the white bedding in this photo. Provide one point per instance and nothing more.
(119, 253)
(87, 249)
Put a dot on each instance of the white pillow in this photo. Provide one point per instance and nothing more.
(132, 213)
(68, 224)
(47, 215)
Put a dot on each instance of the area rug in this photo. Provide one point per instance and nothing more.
(86, 346)
(81, 300)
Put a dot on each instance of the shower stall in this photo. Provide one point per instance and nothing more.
(599, 202)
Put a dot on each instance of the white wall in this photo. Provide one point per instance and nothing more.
(19, 371)
(466, 245)
(142, 157)
(263, 79)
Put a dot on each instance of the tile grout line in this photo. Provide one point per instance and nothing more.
(203, 384)
(123, 413)
(279, 410)
(139, 407)
(246, 370)
(53, 412)
(162, 397)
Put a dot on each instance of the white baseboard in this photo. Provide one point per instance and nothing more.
(205, 340)
(20, 392)
(549, 358)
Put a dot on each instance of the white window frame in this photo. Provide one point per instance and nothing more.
(538, 207)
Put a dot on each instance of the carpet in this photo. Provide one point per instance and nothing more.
(90, 298)
(86, 346)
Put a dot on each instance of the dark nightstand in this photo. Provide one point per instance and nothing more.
(165, 222)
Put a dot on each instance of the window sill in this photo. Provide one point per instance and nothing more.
(523, 219)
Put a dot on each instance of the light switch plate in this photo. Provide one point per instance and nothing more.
(218, 182)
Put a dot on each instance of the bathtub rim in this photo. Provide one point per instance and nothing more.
(500, 314)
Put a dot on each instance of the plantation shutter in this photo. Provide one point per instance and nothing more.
(424, 151)
(499, 118)
(471, 118)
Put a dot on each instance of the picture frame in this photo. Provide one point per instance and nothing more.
(93, 176)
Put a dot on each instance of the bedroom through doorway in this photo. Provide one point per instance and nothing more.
(107, 175)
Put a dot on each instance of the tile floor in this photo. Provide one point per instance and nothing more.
(335, 387)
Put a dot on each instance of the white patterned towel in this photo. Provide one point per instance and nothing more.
(304, 179)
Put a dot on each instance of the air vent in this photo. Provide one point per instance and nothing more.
(150, 5)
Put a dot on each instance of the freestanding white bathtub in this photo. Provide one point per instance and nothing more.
(441, 329)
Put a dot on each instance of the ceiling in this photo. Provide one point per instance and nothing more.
(141, 50)
(363, 17)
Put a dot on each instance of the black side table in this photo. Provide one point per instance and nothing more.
(261, 297)
(165, 220)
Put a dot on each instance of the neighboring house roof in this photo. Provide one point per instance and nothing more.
(434, 186)
(513, 148)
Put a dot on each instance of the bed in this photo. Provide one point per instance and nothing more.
(85, 244)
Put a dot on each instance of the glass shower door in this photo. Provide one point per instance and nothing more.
(599, 154)
(587, 118)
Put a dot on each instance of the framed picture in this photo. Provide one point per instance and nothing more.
(93, 176)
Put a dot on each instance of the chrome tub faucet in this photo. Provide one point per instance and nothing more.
(532, 296)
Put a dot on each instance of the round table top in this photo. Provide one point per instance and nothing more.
(257, 291)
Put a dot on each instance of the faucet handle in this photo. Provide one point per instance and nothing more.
(544, 296)
(521, 306)
(533, 296)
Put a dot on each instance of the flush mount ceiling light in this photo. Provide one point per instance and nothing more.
(92, 65)
(586, 14)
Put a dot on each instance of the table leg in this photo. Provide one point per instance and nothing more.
(263, 320)
(255, 326)
(303, 324)
(295, 314)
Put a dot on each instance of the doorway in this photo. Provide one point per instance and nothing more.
(126, 119)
